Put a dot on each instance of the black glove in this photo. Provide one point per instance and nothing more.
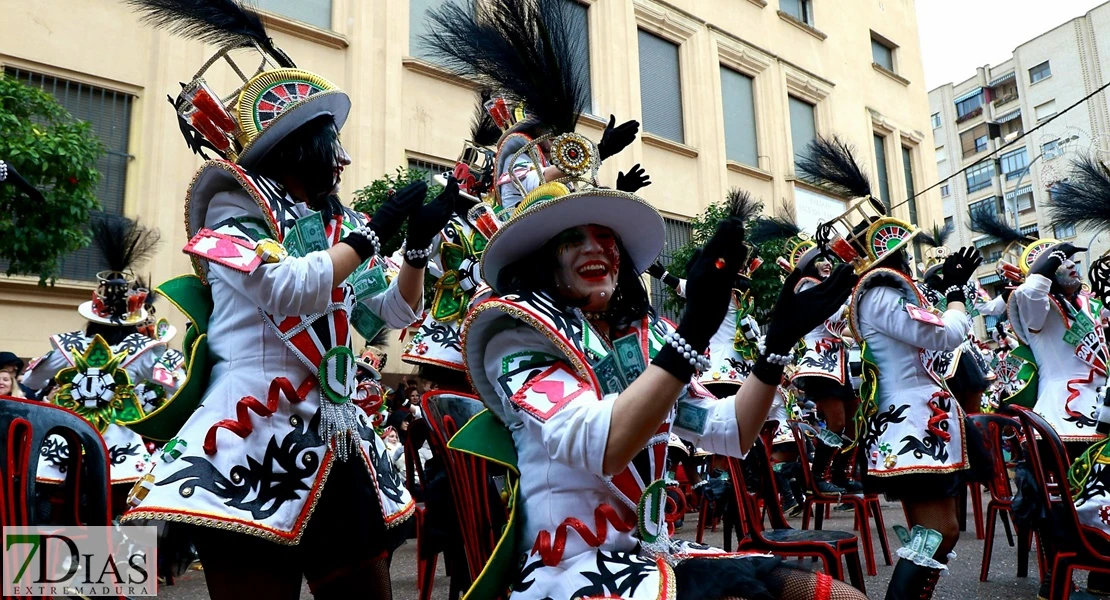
(796, 314)
(616, 138)
(657, 270)
(427, 221)
(635, 179)
(1055, 259)
(14, 178)
(958, 269)
(709, 280)
(389, 217)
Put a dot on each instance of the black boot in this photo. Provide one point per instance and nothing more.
(842, 473)
(822, 459)
(911, 581)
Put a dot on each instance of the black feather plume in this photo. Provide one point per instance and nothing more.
(741, 205)
(125, 244)
(829, 164)
(521, 48)
(987, 221)
(483, 131)
(937, 236)
(1084, 198)
(218, 22)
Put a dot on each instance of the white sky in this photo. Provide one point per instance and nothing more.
(959, 35)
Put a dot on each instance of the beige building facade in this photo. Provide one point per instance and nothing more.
(726, 90)
(975, 118)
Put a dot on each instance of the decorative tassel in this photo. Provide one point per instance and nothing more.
(339, 427)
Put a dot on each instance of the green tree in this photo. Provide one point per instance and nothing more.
(57, 155)
(766, 281)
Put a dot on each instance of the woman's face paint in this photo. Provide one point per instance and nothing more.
(824, 267)
(588, 263)
(1067, 276)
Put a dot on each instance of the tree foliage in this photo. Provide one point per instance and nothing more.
(57, 155)
(766, 281)
(369, 198)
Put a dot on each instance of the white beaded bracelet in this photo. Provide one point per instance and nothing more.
(3, 171)
(953, 288)
(782, 360)
(698, 361)
(367, 232)
(419, 254)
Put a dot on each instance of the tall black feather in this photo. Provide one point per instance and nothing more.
(937, 236)
(830, 165)
(740, 204)
(521, 48)
(125, 244)
(483, 131)
(989, 222)
(217, 22)
(1084, 198)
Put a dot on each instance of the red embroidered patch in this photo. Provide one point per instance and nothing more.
(547, 393)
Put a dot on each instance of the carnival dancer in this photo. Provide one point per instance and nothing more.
(913, 435)
(110, 374)
(579, 376)
(280, 473)
(1082, 199)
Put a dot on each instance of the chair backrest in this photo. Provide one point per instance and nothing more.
(24, 427)
(414, 469)
(478, 506)
(996, 430)
(1049, 461)
(751, 519)
(804, 433)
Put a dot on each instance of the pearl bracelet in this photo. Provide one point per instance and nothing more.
(698, 361)
(419, 254)
(954, 288)
(371, 236)
(781, 360)
(3, 171)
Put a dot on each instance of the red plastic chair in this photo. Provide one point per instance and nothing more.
(831, 547)
(863, 505)
(1051, 473)
(995, 429)
(478, 506)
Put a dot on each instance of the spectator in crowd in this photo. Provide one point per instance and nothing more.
(8, 385)
(13, 365)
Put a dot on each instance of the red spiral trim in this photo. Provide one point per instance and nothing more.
(1073, 393)
(241, 424)
(939, 415)
(552, 554)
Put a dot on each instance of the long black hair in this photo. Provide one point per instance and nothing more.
(536, 273)
(309, 154)
(112, 334)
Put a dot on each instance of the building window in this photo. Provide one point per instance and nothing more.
(803, 125)
(974, 140)
(994, 256)
(313, 12)
(1014, 163)
(1051, 149)
(420, 26)
(660, 87)
(967, 106)
(884, 178)
(949, 223)
(801, 10)
(980, 177)
(1039, 72)
(109, 113)
(1025, 202)
(430, 169)
(1063, 231)
(907, 172)
(578, 17)
(882, 52)
(945, 190)
(741, 144)
(942, 154)
(989, 204)
(936, 120)
(1044, 111)
(677, 235)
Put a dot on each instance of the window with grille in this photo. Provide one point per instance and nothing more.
(678, 234)
(313, 12)
(741, 144)
(803, 126)
(660, 87)
(109, 113)
(430, 169)
(1039, 72)
(980, 177)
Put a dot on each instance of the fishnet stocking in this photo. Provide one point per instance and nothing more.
(369, 580)
(938, 515)
(788, 583)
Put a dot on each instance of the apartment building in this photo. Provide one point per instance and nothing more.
(980, 129)
(727, 91)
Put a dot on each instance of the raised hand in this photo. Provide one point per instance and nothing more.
(427, 221)
(617, 137)
(389, 217)
(635, 179)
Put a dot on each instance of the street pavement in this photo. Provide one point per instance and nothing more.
(962, 581)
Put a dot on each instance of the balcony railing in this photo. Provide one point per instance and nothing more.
(970, 115)
(1004, 99)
